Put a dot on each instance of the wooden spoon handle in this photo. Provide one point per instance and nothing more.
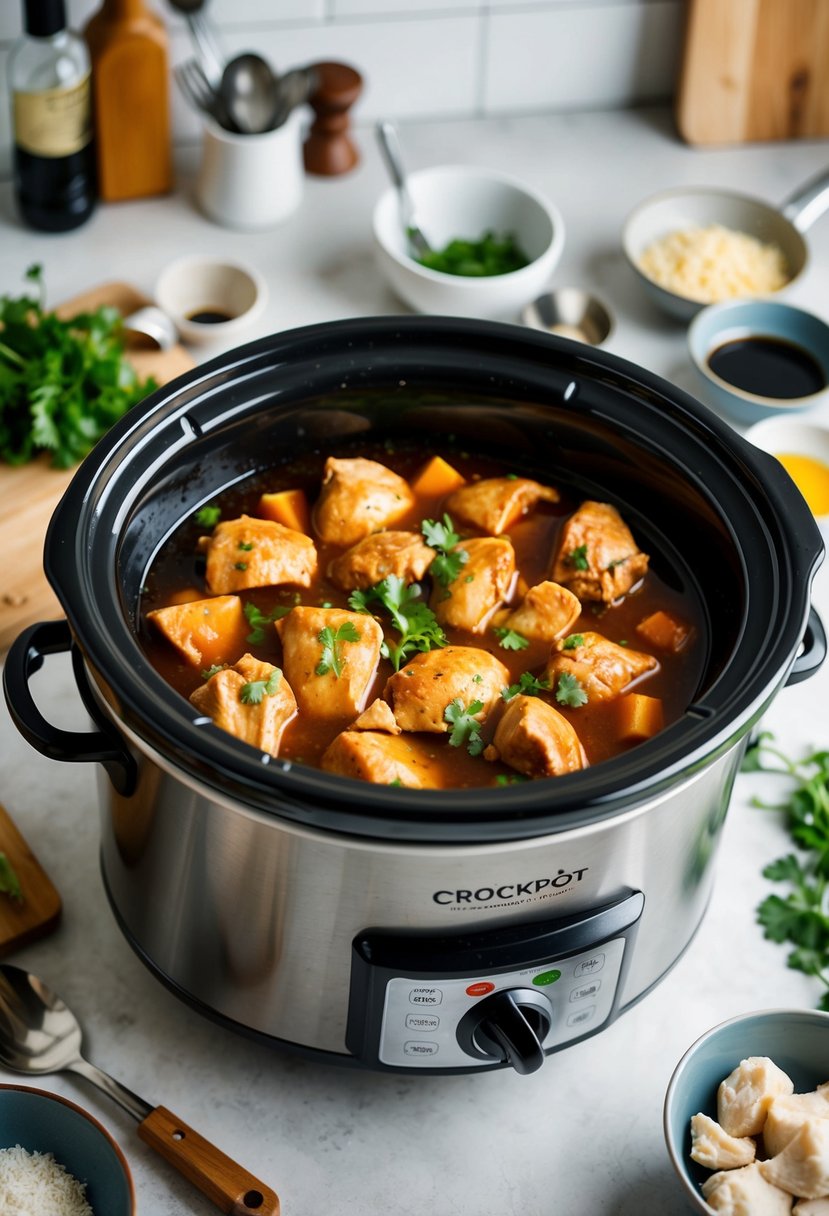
(223, 1181)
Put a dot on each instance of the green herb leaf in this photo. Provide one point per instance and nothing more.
(9, 882)
(253, 692)
(247, 545)
(528, 686)
(441, 535)
(569, 691)
(209, 516)
(510, 779)
(509, 639)
(414, 621)
(466, 730)
(259, 621)
(577, 558)
(210, 672)
(491, 254)
(332, 647)
(571, 642)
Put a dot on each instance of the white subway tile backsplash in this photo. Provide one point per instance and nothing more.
(588, 54)
(386, 8)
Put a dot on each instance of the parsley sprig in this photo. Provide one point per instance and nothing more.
(253, 692)
(801, 917)
(466, 729)
(528, 686)
(332, 647)
(259, 621)
(577, 558)
(441, 535)
(569, 690)
(574, 640)
(62, 383)
(413, 620)
(510, 639)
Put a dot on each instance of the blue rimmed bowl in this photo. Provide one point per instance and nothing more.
(48, 1123)
(797, 1040)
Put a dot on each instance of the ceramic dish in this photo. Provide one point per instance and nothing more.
(801, 334)
(42, 1122)
(462, 201)
(570, 312)
(803, 450)
(797, 1040)
(210, 300)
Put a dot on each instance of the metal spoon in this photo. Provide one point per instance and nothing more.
(390, 148)
(248, 90)
(38, 1035)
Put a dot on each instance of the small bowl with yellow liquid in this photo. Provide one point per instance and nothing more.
(803, 450)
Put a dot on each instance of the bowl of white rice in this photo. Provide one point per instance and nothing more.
(57, 1160)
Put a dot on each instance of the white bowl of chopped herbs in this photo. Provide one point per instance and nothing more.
(494, 243)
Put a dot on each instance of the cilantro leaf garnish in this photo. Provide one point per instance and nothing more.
(247, 545)
(253, 692)
(571, 642)
(209, 672)
(510, 639)
(209, 516)
(510, 778)
(9, 882)
(441, 535)
(259, 620)
(466, 730)
(332, 647)
(569, 690)
(528, 685)
(413, 620)
(577, 558)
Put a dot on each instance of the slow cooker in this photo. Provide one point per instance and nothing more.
(418, 931)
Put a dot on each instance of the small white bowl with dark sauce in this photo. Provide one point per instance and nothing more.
(756, 358)
(210, 300)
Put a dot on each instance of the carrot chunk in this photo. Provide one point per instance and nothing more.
(639, 717)
(205, 631)
(664, 631)
(436, 478)
(287, 507)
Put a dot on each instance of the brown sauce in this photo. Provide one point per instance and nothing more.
(768, 367)
(209, 316)
(178, 566)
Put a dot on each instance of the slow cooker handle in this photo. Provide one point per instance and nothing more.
(103, 746)
(813, 653)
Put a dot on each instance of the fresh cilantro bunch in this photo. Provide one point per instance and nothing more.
(413, 620)
(441, 535)
(62, 383)
(800, 917)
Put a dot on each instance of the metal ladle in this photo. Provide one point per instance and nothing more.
(248, 90)
(39, 1034)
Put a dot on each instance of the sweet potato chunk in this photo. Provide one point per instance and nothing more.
(536, 739)
(248, 552)
(547, 613)
(597, 557)
(381, 758)
(436, 478)
(496, 503)
(639, 717)
(404, 554)
(664, 631)
(483, 583)
(603, 669)
(421, 691)
(205, 631)
(358, 497)
(330, 658)
(377, 716)
(251, 700)
(287, 507)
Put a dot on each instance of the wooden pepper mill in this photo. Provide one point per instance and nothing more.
(329, 149)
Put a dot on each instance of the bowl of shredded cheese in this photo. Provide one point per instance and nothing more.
(691, 248)
(57, 1160)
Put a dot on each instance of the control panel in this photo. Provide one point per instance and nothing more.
(507, 995)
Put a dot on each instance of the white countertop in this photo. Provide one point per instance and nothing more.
(583, 1135)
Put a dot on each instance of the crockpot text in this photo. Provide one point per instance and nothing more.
(509, 891)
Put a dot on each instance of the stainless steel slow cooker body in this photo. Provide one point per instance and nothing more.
(407, 929)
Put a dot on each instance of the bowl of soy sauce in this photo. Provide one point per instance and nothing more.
(210, 300)
(756, 358)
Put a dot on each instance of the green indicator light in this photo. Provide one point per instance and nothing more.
(546, 977)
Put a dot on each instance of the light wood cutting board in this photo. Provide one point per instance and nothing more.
(754, 70)
(30, 493)
(38, 911)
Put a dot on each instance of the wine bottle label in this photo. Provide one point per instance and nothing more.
(54, 122)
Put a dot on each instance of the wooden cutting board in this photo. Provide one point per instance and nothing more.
(30, 493)
(38, 911)
(754, 70)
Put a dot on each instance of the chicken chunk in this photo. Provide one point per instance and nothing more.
(404, 554)
(384, 759)
(811, 1207)
(251, 700)
(744, 1097)
(785, 1116)
(378, 716)
(536, 739)
(802, 1167)
(421, 691)
(715, 1149)
(496, 503)
(248, 552)
(597, 557)
(547, 613)
(745, 1192)
(204, 631)
(603, 669)
(483, 583)
(358, 497)
(330, 658)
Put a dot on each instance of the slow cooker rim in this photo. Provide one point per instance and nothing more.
(613, 784)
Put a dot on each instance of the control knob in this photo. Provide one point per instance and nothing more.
(508, 1027)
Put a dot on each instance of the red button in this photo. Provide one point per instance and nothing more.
(480, 989)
